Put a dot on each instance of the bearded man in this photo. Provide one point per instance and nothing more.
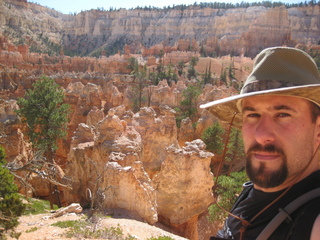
(278, 112)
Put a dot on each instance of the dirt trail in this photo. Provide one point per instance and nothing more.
(39, 227)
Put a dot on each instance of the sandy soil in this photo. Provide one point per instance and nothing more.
(39, 227)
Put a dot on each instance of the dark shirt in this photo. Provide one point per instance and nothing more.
(254, 201)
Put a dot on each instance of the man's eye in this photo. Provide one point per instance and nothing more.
(283, 115)
(253, 115)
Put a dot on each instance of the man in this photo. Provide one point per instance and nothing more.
(278, 111)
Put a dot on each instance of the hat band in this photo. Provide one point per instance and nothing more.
(261, 85)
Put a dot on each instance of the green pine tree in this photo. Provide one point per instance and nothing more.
(46, 117)
(190, 100)
(212, 137)
(235, 152)
(140, 82)
(226, 193)
(191, 70)
(207, 75)
(180, 66)
(11, 207)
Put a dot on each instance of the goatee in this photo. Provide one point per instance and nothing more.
(260, 176)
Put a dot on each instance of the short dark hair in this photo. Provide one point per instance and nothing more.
(315, 111)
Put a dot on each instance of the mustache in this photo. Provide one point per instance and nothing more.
(270, 148)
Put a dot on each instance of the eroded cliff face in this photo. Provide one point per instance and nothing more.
(113, 157)
(236, 30)
(184, 185)
(223, 31)
(12, 137)
(133, 161)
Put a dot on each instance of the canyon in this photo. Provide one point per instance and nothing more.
(139, 161)
(216, 31)
(114, 155)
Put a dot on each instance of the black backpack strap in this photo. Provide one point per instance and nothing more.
(285, 213)
(303, 220)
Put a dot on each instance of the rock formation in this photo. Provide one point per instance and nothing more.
(114, 157)
(186, 132)
(158, 133)
(220, 31)
(12, 138)
(184, 185)
(133, 161)
(130, 188)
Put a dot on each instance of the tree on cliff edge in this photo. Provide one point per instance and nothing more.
(46, 117)
(11, 207)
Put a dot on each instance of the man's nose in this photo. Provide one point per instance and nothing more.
(264, 132)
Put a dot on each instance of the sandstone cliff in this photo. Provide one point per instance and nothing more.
(133, 161)
(219, 31)
(114, 157)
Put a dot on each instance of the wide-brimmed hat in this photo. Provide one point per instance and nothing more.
(276, 71)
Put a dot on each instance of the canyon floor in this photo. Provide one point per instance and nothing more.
(39, 227)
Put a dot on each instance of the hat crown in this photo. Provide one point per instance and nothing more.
(277, 71)
(281, 67)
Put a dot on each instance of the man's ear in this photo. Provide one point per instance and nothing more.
(317, 131)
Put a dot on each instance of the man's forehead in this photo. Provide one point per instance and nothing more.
(276, 102)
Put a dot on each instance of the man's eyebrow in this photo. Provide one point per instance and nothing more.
(247, 108)
(283, 107)
(276, 107)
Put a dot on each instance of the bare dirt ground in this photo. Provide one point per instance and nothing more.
(39, 227)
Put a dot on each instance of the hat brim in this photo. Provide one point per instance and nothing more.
(226, 109)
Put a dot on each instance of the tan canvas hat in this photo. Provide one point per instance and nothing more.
(276, 71)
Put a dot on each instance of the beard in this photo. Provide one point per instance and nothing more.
(261, 176)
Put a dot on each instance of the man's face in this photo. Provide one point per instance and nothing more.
(279, 138)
